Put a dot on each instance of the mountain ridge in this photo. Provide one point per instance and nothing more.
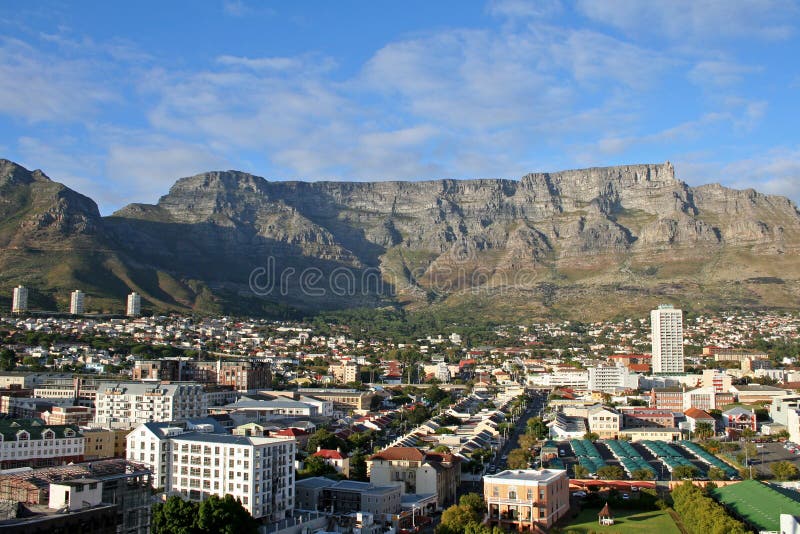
(540, 245)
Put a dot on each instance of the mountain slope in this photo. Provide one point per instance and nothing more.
(584, 243)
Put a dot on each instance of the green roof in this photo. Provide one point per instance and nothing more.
(34, 427)
(760, 504)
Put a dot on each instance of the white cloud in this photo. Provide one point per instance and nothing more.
(524, 8)
(718, 73)
(695, 20)
(37, 89)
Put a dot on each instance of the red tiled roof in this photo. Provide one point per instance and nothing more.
(330, 454)
(696, 413)
(291, 432)
(399, 453)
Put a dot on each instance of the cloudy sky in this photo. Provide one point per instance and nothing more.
(119, 99)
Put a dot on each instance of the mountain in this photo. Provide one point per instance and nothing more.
(585, 243)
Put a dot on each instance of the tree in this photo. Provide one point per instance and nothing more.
(611, 472)
(441, 448)
(456, 518)
(704, 429)
(591, 436)
(642, 474)
(474, 502)
(684, 471)
(537, 427)
(783, 434)
(519, 459)
(358, 468)
(8, 360)
(580, 471)
(315, 467)
(225, 516)
(324, 439)
(528, 441)
(175, 516)
(784, 470)
(716, 473)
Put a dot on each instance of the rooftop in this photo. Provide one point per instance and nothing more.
(526, 475)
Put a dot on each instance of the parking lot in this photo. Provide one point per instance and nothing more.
(660, 469)
(769, 453)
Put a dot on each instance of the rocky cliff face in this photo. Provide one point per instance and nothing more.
(543, 241)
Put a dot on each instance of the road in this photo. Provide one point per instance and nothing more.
(535, 404)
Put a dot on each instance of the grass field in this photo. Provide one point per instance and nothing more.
(625, 521)
(756, 502)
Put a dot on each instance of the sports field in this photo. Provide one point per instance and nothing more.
(759, 504)
(625, 522)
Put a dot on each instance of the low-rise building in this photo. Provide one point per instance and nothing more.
(335, 458)
(417, 472)
(31, 443)
(637, 417)
(526, 499)
(605, 422)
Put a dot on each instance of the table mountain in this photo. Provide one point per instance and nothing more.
(582, 243)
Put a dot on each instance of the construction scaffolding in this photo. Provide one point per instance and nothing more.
(33, 486)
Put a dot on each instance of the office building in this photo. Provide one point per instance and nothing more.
(76, 302)
(347, 496)
(257, 471)
(19, 303)
(666, 327)
(526, 499)
(134, 308)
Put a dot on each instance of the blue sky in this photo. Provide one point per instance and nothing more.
(119, 99)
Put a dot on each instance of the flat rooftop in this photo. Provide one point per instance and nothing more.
(526, 475)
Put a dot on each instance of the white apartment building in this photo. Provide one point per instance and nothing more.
(666, 327)
(149, 444)
(573, 378)
(129, 404)
(720, 382)
(26, 444)
(258, 471)
(134, 308)
(605, 422)
(76, 302)
(610, 378)
(20, 301)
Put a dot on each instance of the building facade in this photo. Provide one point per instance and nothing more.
(417, 472)
(29, 443)
(129, 404)
(134, 305)
(526, 499)
(257, 471)
(666, 327)
(76, 299)
(19, 302)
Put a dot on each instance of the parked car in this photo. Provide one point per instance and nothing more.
(580, 493)
(625, 496)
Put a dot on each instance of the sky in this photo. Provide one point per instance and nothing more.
(119, 99)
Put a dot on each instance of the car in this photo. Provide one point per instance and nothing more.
(634, 488)
(625, 496)
(580, 493)
(760, 446)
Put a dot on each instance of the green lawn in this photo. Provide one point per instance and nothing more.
(653, 522)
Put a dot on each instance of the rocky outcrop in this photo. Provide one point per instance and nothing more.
(580, 227)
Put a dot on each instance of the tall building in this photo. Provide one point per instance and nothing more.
(666, 326)
(20, 301)
(257, 471)
(134, 305)
(76, 302)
